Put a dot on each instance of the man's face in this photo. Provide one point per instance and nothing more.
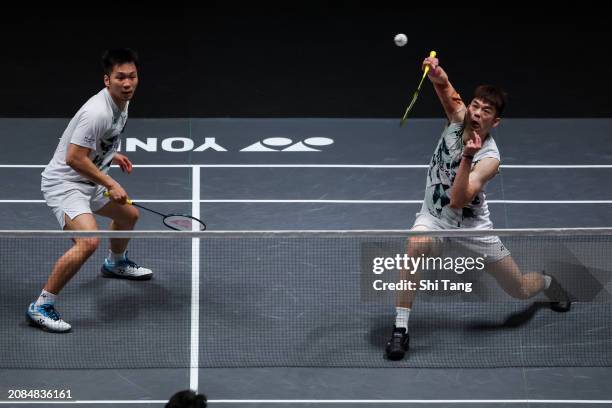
(122, 81)
(481, 117)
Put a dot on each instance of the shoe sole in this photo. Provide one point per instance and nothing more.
(395, 356)
(34, 323)
(112, 275)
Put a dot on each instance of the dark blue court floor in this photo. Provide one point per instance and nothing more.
(311, 174)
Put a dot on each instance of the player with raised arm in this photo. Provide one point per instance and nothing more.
(464, 160)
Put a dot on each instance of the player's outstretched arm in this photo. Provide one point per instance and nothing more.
(449, 98)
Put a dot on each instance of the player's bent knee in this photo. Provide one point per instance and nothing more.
(133, 215)
(128, 217)
(88, 245)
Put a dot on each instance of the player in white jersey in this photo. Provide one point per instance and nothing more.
(465, 159)
(76, 178)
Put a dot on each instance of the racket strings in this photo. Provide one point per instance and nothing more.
(184, 223)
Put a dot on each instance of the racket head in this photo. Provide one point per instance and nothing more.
(181, 222)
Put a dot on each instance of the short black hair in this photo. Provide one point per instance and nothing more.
(493, 95)
(118, 56)
(187, 399)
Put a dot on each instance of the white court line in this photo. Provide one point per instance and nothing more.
(312, 401)
(85, 402)
(140, 201)
(511, 401)
(549, 201)
(22, 201)
(332, 166)
(556, 166)
(409, 201)
(195, 285)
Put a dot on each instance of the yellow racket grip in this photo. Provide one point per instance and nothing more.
(130, 202)
(432, 54)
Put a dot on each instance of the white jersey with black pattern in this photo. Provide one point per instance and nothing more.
(441, 174)
(97, 126)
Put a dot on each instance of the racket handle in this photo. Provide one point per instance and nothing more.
(128, 201)
(432, 54)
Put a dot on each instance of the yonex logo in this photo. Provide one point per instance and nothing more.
(184, 144)
(283, 144)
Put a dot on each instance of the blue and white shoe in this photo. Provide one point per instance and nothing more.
(46, 318)
(125, 269)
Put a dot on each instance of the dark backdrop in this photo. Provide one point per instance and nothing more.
(265, 60)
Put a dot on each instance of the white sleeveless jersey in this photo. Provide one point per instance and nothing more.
(441, 174)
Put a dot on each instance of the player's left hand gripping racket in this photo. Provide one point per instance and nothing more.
(178, 222)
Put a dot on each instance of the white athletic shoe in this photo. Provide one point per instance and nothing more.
(125, 269)
(46, 318)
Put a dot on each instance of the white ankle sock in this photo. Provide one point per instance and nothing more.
(46, 298)
(113, 257)
(401, 317)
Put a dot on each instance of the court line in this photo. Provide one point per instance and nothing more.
(140, 201)
(408, 201)
(332, 166)
(195, 285)
(322, 401)
(456, 401)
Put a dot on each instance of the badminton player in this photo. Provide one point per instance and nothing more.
(74, 182)
(464, 160)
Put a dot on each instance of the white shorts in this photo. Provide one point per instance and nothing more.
(490, 247)
(72, 198)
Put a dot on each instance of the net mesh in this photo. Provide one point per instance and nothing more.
(305, 299)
